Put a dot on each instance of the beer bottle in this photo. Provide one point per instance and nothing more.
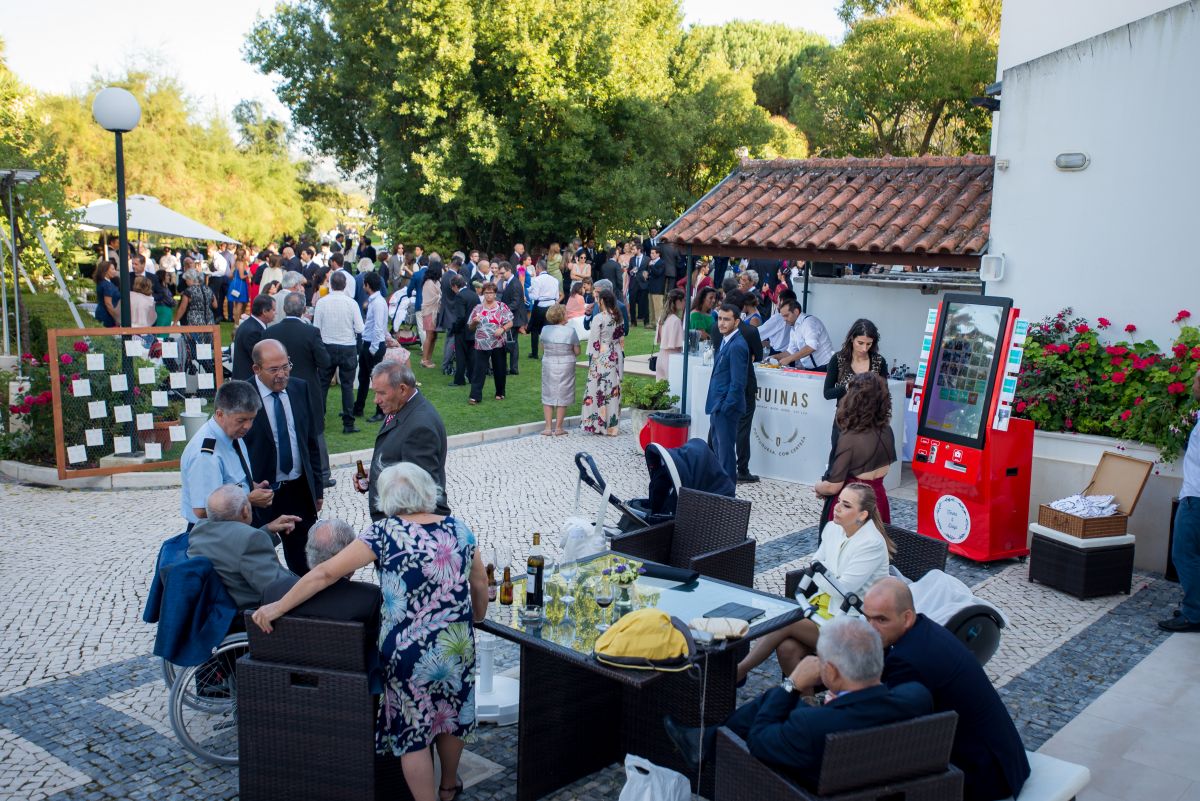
(491, 578)
(506, 588)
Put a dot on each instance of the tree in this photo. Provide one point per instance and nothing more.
(259, 132)
(976, 17)
(898, 85)
(490, 121)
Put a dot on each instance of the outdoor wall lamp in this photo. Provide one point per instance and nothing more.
(1072, 162)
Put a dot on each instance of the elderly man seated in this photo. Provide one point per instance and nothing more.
(342, 600)
(987, 747)
(783, 731)
(243, 556)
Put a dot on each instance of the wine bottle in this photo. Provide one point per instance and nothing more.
(506, 588)
(536, 568)
(491, 578)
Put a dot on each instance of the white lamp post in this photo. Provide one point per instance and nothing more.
(118, 111)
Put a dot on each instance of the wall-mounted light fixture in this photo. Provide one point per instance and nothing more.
(991, 267)
(1072, 162)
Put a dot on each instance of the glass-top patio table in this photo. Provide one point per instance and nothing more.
(577, 715)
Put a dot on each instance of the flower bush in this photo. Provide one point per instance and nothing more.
(1072, 380)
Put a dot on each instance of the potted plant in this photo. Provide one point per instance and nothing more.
(645, 396)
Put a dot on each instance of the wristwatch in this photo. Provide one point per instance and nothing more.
(788, 686)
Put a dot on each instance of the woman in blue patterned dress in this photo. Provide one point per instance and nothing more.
(434, 587)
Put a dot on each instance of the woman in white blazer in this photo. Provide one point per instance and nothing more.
(855, 551)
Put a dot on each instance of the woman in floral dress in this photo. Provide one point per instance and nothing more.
(602, 400)
(434, 587)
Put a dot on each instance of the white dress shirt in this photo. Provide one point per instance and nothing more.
(269, 405)
(810, 332)
(544, 290)
(351, 288)
(375, 326)
(338, 319)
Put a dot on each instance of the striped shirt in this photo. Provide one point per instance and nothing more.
(338, 319)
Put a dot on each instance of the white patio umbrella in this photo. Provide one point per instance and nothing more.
(147, 215)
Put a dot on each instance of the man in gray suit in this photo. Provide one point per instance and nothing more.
(412, 431)
(243, 556)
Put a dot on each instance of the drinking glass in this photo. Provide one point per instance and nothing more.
(603, 595)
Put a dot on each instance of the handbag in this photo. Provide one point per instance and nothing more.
(237, 288)
(654, 353)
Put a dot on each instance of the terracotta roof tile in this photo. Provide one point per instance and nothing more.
(938, 205)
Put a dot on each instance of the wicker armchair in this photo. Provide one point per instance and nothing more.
(708, 535)
(901, 760)
(306, 716)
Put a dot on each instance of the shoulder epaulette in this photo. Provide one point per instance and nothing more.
(209, 445)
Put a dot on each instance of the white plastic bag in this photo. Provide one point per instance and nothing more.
(645, 781)
(580, 538)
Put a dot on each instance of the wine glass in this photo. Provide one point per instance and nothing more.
(604, 596)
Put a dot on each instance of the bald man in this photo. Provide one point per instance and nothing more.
(987, 748)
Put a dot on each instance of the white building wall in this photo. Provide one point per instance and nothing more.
(1115, 239)
(1033, 28)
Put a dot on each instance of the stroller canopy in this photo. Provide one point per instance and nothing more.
(692, 465)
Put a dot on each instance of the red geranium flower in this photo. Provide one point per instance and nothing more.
(1082, 328)
(1174, 368)
(1137, 401)
(1183, 315)
(1196, 352)
(1129, 329)
(1082, 346)
(1116, 360)
(1021, 406)
(1125, 415)
(1118, 378)
(81, 347)
(1068, 423)
(1115, 350)
(65, 358)
(1179, 349)
(1059, 327)
(1176, 388)
(1104, 322)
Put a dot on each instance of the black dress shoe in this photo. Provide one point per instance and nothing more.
(686, 740)
(747, 478)
(330, 482)
(513, 372)
(1178, 624)
(358, 412)
(457, 384)
(349, 430)
(375, 418)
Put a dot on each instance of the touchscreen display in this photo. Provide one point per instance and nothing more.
(957, 402)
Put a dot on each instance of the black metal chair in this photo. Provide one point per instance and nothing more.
(901, 760)
(708, 535)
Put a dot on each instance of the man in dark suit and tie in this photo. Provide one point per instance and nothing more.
(746, 421)
(512, 295)
(639, 288)
(611, 270)
(464, 301)
(310, 359)
(726, 401)
(342, 600)
(249, 333)
(283, 448)
(987, 747)
(783, 731)
(412, 431)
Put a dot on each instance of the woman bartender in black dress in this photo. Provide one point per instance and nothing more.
(859, 354)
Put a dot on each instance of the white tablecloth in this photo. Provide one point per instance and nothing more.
(792, 422)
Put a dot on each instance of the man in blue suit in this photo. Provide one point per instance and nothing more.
(784, 732)
(727, 389)
(987, 748)
(284, 450)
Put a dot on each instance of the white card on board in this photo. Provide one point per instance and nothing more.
(153, 450)
(158, 397)
(81, 388)
(170, 349)
(177, 433)
(122, 445)
(76, 454)
(193, 405)
(94, 437)
(95, 361)
(122, 414)
(178, 381)
(205, 381)
(118, 382)
(97, 409)
(146, 375)
(145, 421)
(203, 350)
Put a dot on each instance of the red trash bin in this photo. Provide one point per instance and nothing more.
(669, 429)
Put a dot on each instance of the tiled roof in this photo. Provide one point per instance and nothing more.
(929, 206)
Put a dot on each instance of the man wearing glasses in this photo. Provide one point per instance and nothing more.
(284, 448)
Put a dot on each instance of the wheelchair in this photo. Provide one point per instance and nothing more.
(203, 702)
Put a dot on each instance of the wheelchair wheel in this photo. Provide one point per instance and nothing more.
(169, 672)
(203, 704)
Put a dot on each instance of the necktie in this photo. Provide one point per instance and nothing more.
(282, 443)
(237, 448)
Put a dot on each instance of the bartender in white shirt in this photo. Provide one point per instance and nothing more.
(809, 347)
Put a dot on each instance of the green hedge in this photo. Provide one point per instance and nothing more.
(42, 312)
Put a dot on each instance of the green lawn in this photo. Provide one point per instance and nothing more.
(522, 403)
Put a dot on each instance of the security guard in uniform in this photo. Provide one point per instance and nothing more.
(216, 456)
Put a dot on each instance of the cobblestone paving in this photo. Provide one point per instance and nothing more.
(82, 704)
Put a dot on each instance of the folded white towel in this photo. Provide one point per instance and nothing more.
(1087, 505)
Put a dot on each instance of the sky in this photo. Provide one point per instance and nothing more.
(58, 45)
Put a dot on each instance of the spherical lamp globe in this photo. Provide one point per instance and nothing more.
(116, 110)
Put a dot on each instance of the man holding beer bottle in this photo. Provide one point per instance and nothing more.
(412, 431)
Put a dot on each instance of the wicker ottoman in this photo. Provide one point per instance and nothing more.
(1085, 568)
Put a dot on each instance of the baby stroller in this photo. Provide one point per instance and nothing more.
(692, 465)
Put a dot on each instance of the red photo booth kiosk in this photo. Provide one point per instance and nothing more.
(972, 458)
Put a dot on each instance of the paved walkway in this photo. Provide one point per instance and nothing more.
(82, 706)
